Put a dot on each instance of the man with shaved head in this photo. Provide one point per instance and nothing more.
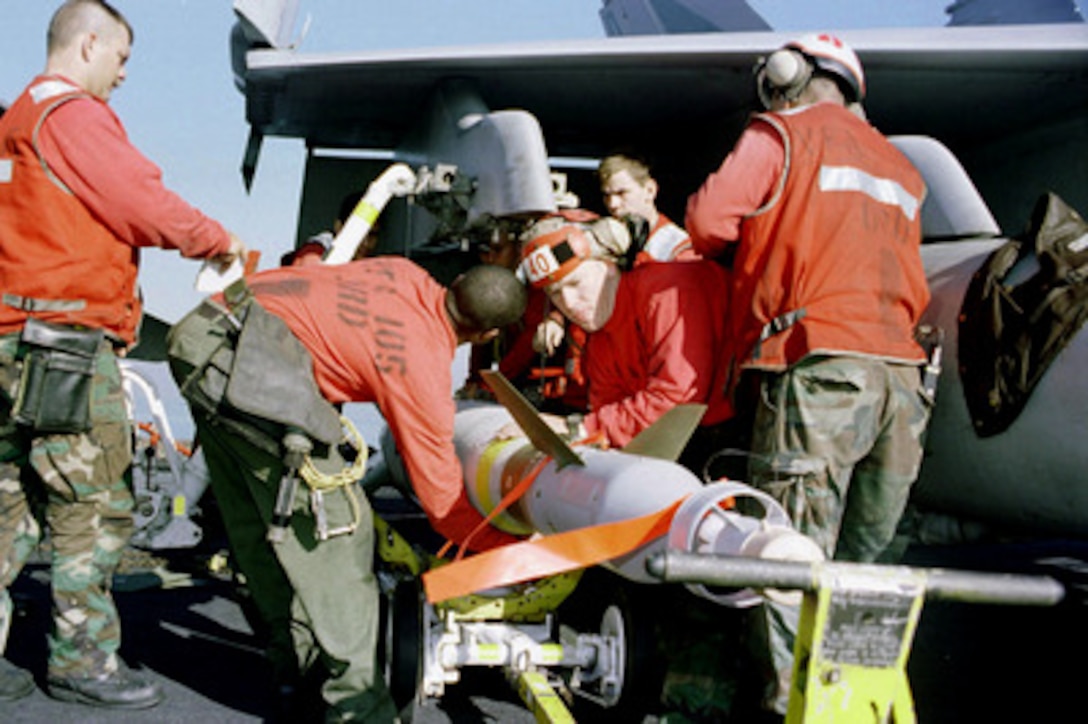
(378, 330)
(77, 203)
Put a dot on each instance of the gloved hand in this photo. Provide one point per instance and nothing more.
(237, 250)
(549, 335)
(512, 429)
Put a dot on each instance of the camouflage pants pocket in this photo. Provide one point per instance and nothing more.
(92, 464)
(811, 427)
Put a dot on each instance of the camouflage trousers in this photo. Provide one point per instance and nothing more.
(74, 485)
(838, 442)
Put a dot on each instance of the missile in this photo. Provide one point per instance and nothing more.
(578, 492)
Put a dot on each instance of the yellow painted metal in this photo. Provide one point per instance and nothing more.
(392, 548)
(542, 700)
(530, 601)
(853, 642)
(485, 469)
(524, 602)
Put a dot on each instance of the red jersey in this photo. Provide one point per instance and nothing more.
(378, 331)
(665, 344)
(77, 200)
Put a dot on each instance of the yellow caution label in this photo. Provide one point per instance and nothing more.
(366, 211)
(489, 654)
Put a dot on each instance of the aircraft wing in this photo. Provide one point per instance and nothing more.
(680, 100)
(960, 84)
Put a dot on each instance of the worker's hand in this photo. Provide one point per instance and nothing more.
(509, 431)
(512, 429)
(474, 391)
(557, 423)
(237, 250)
(549, 335)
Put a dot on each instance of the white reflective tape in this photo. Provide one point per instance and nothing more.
(883, 190)
(50, 88)
(539, 264)
(664, 243)
(6, 167)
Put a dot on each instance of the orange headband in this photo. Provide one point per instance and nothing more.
(550, 257)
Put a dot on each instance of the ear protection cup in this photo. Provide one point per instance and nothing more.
(784, 74)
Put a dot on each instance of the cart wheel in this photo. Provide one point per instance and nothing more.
(625, 612)
(402, 640)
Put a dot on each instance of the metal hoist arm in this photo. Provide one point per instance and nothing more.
(397, 180)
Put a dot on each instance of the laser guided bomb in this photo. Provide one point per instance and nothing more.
(579, 507)
(577, 493)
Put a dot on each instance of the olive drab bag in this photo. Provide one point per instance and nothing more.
(244, 368)
(1010, 331)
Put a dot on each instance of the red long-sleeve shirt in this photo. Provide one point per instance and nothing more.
(378, 331)
(88, 149)
(715, 212)
(664, 345)
(77, 201)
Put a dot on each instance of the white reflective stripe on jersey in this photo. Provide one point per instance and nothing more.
(50, 88)
(6, 167)
(884, 190)
(664, 243)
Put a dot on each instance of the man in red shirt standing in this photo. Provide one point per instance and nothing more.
(77, 203)
(377, 330)
(824, 217)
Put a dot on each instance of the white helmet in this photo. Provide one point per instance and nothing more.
(832, 55)
(786, 71)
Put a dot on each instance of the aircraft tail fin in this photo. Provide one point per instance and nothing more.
(660, 17)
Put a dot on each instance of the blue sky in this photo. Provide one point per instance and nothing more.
(181, 109)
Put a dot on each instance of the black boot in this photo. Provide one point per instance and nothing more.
(120, 690)
(15, 683)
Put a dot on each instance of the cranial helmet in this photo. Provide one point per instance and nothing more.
(787, 71)
(554, 246)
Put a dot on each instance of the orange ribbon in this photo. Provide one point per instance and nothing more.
(548, 556)
(508, 500)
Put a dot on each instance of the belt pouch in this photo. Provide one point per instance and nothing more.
(58, 371)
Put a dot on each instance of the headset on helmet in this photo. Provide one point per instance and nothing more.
(787, 71)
